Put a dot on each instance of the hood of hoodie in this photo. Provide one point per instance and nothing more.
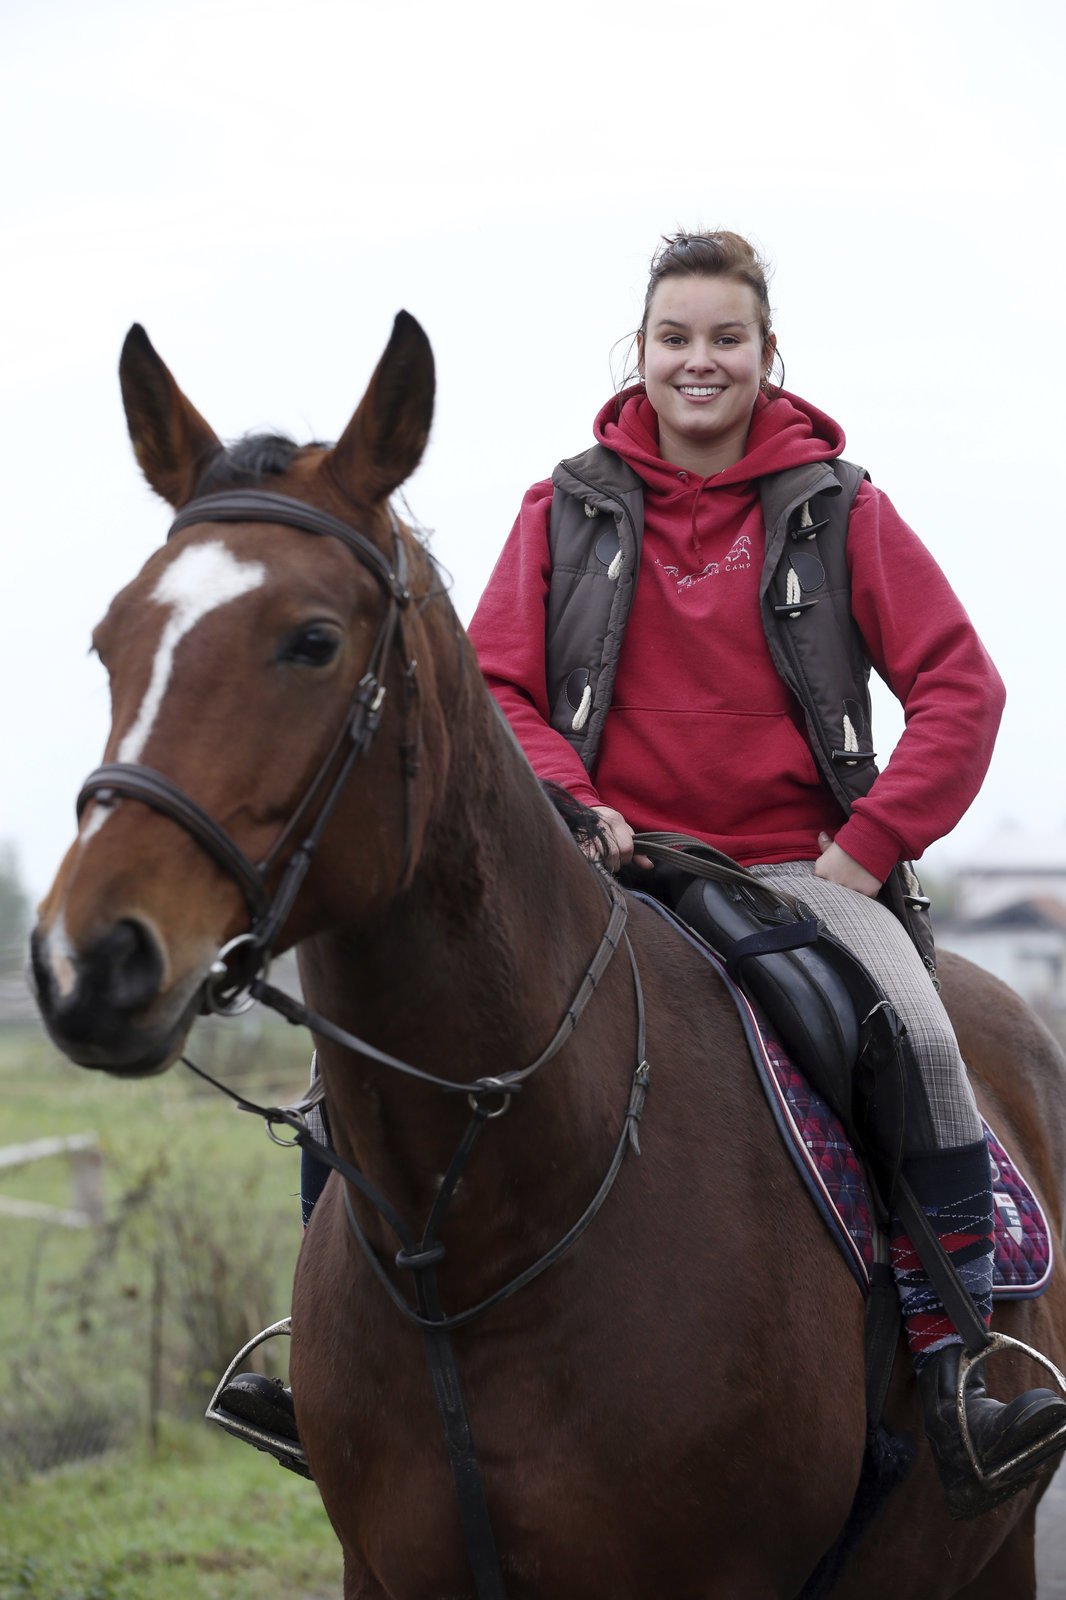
(785, 432)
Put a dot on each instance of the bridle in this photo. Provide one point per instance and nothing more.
(248, 955)
(238, 978)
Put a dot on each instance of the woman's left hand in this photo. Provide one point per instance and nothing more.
(836, 866)
(619, 837)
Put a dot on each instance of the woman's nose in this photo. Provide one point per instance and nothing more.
(701, 357)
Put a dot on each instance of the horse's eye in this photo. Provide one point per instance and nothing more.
(313, 646)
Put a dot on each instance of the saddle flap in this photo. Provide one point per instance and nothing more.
(805, 997)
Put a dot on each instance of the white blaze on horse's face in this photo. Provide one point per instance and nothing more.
(60, 955)
(202, 578)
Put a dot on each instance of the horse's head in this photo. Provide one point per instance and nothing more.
(247, 662)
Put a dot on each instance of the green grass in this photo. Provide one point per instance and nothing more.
(208, 1519)
(112, 1337)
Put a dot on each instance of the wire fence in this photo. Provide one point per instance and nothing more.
(109, 1326)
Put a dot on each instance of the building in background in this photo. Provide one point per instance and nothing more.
(1010, 915)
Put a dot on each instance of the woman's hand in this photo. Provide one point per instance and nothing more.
(836, 866)
(619, 840)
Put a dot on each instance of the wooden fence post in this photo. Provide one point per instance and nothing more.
(82, 1150)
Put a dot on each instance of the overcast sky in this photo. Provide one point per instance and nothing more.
(264, 185)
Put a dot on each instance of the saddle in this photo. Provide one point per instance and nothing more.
(830, 1014)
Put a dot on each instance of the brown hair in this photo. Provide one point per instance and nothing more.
(718, 254)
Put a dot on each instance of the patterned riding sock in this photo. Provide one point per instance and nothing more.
(954, 1189)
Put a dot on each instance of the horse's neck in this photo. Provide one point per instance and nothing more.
(469, 974)
(477, 962)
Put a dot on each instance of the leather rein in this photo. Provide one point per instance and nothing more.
(237, 979)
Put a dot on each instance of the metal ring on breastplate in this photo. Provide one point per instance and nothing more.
(490, 1086)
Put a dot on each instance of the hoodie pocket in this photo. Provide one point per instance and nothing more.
(724, 772)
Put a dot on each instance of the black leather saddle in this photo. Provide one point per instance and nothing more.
(830, 1014)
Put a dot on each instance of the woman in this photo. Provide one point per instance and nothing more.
(639, 645)
(698, 723)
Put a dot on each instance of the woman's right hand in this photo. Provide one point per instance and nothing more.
(619, 840)
(836, 866)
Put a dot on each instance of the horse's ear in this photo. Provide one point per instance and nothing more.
(383, 443)
(170, 438)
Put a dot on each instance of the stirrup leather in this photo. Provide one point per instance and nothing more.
(272, 1442)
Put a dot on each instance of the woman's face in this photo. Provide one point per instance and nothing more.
(702, 359)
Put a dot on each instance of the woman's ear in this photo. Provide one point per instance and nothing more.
(640, 354)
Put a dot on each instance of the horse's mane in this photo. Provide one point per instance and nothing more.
(582, 821)
(246, 462)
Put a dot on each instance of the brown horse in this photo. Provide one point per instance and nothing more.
(676, 1408)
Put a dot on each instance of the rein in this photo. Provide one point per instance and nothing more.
(507, 1083)
(238, 978)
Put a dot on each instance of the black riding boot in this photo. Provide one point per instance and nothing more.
(1000, 1433)
(260, 1411)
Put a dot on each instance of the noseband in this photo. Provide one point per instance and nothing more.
(226, 989)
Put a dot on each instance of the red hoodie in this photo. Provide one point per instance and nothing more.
(702, 736)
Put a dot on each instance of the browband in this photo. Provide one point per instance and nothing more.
(258, 505)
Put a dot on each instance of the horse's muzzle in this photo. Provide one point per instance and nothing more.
(96, 1002)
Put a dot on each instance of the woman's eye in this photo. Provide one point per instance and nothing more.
(314, 646)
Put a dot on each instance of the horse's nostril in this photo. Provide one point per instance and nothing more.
(125, 967)
(102, 1002)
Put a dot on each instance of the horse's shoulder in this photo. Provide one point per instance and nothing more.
(682, 984)
(670, 951)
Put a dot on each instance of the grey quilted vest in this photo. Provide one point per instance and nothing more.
(597, 525)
